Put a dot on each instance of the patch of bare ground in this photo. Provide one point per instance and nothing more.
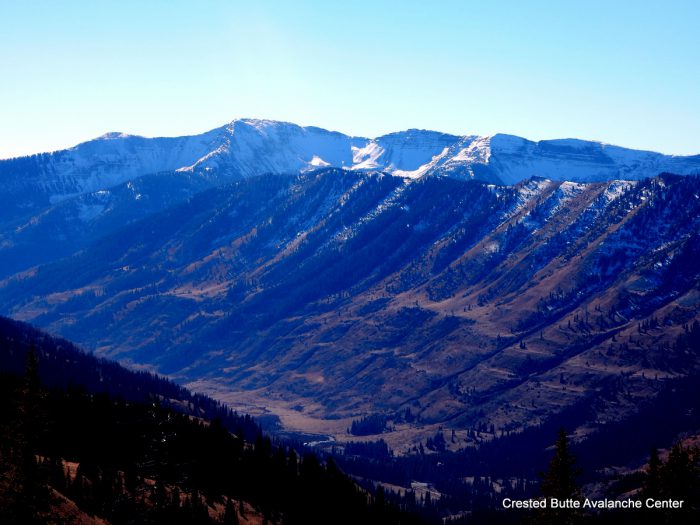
(64, 511)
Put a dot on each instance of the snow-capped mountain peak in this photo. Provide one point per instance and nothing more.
(111, 135)
(247, 147)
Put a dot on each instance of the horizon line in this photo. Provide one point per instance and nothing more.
(122, 134)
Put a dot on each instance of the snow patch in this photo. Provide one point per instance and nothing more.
(491, 247)
(318, 162)
(616, 189)
(366, 158)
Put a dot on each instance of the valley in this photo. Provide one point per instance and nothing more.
(426, 309)
(327, 295)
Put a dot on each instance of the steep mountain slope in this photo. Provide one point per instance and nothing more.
(114, 451)
(62, 228)
(330, 294)
(32, 183)
(63, 365)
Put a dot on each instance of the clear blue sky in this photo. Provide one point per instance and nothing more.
(623, 72)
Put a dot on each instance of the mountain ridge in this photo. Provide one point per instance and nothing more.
(292, 266)
(347, 291)
(250, 147)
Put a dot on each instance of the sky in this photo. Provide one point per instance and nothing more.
(621, 72)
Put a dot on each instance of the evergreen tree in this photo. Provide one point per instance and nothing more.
(680, 476)
(29, 494)
(652, 484)
(559, 482)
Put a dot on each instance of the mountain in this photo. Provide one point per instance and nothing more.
(452, 299)
(249, 147)
(54, 204)
(509, 160)
(60, 229)
(65, 366)
(328, 295)
(31, 183)
(135, 448)
(108, 445)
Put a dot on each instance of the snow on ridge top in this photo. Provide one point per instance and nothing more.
(410, 153)
(112, 135)
(261, 122)
(248, 147)
(534, 186)
(477, 151)
(529, 190)
(570, 189)
(572, 143)
(396, 137)
(617, 188)
(262, 125)
(505, 143)
(265, 126)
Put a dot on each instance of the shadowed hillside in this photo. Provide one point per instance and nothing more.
(326, 296)
(113, 452)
